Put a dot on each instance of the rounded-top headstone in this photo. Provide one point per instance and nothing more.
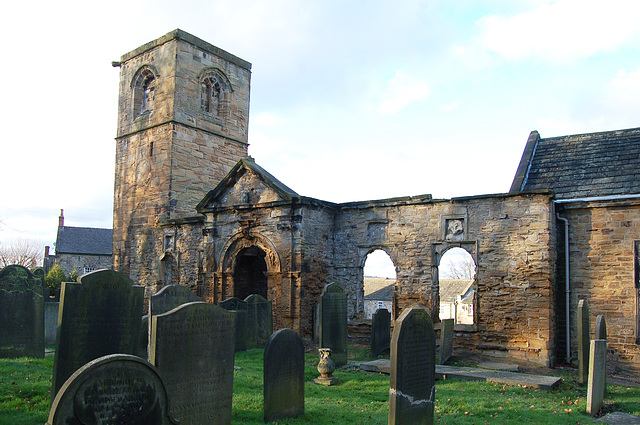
(115, 389)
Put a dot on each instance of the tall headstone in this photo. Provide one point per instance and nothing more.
(583, 341)
(115, 389)
(143, 341)
(98, 316)
(283, 376)
(260, 319)
(239, 307)
(446, 340)
(192, 348)
(413, 369)
(50, 321)
(333, 322)
(170, 297)
(601, 333)
(21, 313)
(596, 383)
(380, 332)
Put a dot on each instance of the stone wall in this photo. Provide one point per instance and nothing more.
(70, 262)
(602, 237)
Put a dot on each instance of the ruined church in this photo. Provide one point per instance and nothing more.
(191, 208)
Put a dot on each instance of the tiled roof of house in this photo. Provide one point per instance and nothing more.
(450, 289)
(581, 166)
(84, 240)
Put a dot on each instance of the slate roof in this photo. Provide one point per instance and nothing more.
(384, 294)
(84, 240)
(451, 288)
(582, 165)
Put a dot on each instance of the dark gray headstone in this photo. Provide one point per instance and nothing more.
(597, 374)
(143, 342)
(239, 307)
(601, 328)
(283, 376)
(50, 322)
(413, 369)
(583, 341)
(21, 313)
(98, 316)
(446, 340)
(192, 348)
(260, 320)
(380, 332)
(333, 322)
(115, 389)
(170, 297)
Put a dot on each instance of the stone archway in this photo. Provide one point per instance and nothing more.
(250, 273)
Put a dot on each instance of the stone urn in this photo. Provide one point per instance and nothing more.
(326, 368)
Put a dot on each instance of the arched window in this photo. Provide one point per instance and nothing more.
(456, 276)
(211, 92)
(144, 87)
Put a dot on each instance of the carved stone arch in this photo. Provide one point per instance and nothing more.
(214, 92)
(143, 86)
(240, 247)
(218, 74)
(368, 250)
(360, 307)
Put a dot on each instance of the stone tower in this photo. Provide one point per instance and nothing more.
(183, 115)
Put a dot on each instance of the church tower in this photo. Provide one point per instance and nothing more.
(183, 116)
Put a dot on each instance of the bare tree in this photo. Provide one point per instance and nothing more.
(24, 252)
(458, 267)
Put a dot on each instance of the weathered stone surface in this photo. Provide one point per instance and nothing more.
(241, 317)
(111, 390)
(99, 316)
(446, 341)
(192, 348)
(583, 341)
(283, 376)
(380, 332)
(170, 297)
(333, 322)
(601, 328)
(21, 313)
(597, 374)
(50, 322)
(143, 344)
(413, 368)
(260, 318)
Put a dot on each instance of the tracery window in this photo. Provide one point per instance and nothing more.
(211, 93)
(144, 87)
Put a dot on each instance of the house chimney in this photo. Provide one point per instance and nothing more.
(61, 219)
(46, 251)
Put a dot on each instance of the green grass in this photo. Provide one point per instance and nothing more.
(360, 398)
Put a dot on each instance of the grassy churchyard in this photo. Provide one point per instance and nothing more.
(361, 397)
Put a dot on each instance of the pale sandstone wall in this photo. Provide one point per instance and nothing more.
(602, 237)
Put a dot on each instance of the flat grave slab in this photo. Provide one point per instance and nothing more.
(474, 374)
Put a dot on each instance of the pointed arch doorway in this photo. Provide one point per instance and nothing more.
(250, 273)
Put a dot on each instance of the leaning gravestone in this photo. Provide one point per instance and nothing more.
(332, 317)
(283, 376)
(260, 320)
(192, 348)
(446, 340)
(21, 313)
(115, 389)
(596, 383)
(98, 316)
(240, 309)
(380, 332)
(170, 297)
(583, 341)
(413, 369)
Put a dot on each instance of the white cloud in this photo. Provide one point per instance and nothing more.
(401, 91)
(562, 31)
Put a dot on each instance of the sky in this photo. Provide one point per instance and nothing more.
(350, 100)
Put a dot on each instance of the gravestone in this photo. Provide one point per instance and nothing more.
(170, 297)
(260, 320)
(446, 340)
(601, 333)
(413, 368)
(115, 389)
(596, 383)
(380, 332)
(192, 348)
(240, 309)
(332, 314)
(283, 376)
(143, 341)
(583, 341)
(21, 313)
(98, 316)
(50, 321)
